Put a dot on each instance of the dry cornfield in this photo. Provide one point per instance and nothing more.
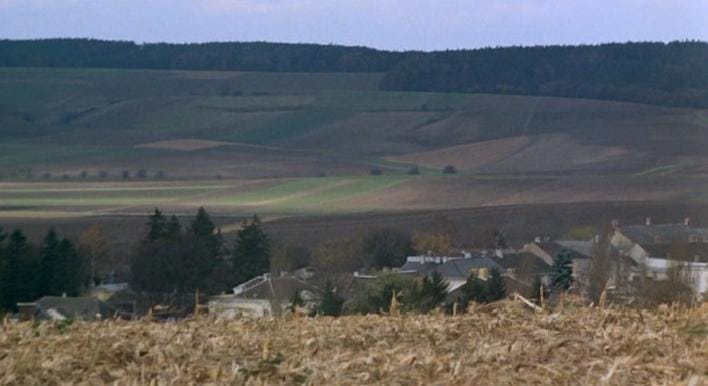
(502, 343)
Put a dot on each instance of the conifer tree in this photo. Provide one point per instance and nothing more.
(433, 291)
(157, 226)
(562, 271)
(496, 286)
(331, 304)
(15, 255)
(251, 253)
(48, 265)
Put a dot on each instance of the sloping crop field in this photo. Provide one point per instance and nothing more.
(499, 344)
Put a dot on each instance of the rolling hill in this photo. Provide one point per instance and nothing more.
(303, 144)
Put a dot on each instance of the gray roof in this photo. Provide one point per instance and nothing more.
(668, 233)
(268, 287)
(576, 249)
(453, 268)
(523, 260)
(689, 252)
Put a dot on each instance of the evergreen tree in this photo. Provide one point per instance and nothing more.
(12, 289)
(48, 265)
(562, 271)
(331, 304)
(475, 290)
(202, 228)
(433, 291)
(496, 286)
(252, 251)
(157, 226)
(173, 228)
(69, 276)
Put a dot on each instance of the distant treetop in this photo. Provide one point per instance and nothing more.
(674, 74)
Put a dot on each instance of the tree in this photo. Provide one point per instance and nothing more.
(251, 251)
(157, 226)
(48, 264)
(95, 249)
(449, 169)
(83, 174)
(496, 287)
(375, 172)
(374, 296)
(173, 228)
(125, 174)
(600, 270)
(13, 287)
(142, 174)
(475, 290)
(331, 304)
(387, 248)
(434, 244)
(69, 276)
(413, 170)
(433, 292)
(562, 271)
(103, 174)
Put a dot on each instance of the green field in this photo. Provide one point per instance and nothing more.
(283, 196)
(298, 143)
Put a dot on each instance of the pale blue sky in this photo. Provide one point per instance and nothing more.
(390, 24)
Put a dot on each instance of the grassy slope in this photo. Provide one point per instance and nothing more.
(302, 125)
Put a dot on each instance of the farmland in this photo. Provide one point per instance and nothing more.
(81, 146)
(499, 343)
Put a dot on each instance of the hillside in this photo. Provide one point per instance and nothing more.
(673, 74)
(100, 142)
(257, 125)
(500, 343)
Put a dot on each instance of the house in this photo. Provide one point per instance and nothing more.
(62, 307)
(524, 267)
(455, 270)
(264, 296)
(659, 247)
(580, 252)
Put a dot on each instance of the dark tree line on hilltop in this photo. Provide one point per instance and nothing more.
(257, 56)
(674, 74)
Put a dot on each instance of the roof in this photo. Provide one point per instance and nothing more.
(455, 268)
(523, 260)
(690, 252)
(268, 287)
(668, 233)
(74, 307)
(421, 268)
(576, 249)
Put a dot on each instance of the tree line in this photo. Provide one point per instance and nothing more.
(27, 273)
(674, 74)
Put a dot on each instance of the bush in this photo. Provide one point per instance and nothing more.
(449, 169)
(414, 171)
(103, 174)
(375, 172)
(142, 173)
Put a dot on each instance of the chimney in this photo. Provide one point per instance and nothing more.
(687, 221)
(648, 222)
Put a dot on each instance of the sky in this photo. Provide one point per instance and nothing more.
(386, 24)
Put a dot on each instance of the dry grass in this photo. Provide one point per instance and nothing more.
(498, 344)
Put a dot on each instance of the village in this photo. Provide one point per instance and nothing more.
(645, 264)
